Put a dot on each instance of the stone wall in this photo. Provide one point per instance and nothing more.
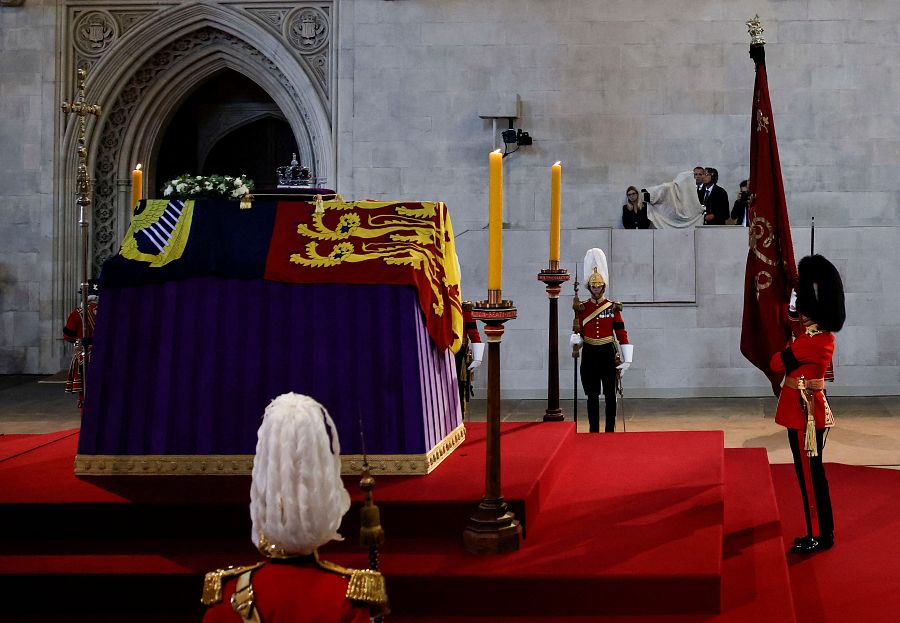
(629, 92)
(28, 116)
(623, 92)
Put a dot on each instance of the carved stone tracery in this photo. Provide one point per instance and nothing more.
(106, 234)
(104, 37)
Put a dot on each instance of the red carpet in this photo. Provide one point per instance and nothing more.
(662, 527)
(859, 579)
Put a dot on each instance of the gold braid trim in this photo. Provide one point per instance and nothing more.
(212, 583)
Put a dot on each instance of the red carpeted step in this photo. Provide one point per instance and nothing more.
(631, 515)
(754, 573)
(38, 486)
(856, 580)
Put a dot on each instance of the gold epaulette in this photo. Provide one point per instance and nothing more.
(212, 583)
(365, 587)
(617, 305)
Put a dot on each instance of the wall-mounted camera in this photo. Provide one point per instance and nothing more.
(514, 137)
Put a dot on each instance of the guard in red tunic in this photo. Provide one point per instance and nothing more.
(817, 312)
(73, 333)
(468, 357)
(600, 332)
(297, 500)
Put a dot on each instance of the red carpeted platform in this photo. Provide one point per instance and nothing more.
(665, 527)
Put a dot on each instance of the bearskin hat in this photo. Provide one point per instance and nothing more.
(820, 293)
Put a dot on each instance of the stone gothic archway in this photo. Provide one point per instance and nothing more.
(144, 63)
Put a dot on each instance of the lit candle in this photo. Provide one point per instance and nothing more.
(495, 221)
(137, 186)
(555, 202)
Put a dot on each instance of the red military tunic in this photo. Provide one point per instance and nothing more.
(599, 320)
(74, 330)
(294, 590)
(812, 350)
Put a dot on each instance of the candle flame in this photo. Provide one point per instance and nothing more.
(558, 163)
(138, 167)
(497, 151)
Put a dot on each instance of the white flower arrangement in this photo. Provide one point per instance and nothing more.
(211, 186)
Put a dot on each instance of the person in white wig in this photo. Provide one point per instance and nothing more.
(297, 501)
(600, 332)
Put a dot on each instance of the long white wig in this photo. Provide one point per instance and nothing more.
(297, 498)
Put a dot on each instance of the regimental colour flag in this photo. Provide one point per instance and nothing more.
(771, 271)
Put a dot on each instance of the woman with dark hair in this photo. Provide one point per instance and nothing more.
(816, 312)
(634, 212)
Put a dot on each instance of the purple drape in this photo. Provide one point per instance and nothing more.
(188, 367)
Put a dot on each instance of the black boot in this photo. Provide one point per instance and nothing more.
(813, 544)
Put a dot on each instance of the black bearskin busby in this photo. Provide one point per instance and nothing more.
(820, 293)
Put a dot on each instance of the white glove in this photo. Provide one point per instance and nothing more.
(575, 340)
(627, 353)
(477, 354)
(792, 306)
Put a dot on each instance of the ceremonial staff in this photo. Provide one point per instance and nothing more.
(812, 237)
(83, 201)
(371, 534)
(576, 349)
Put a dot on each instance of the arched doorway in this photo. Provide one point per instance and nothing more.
(229, 126)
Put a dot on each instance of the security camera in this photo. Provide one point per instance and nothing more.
(509, 136)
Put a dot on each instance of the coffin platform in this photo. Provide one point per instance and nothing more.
(183, 370)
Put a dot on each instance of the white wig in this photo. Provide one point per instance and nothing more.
(297, 498)
(596, 258)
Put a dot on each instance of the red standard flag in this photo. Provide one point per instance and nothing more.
(771, 271)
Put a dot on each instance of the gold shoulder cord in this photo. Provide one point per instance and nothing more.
(243, 601)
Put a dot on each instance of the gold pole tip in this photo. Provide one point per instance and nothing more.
(755, 28)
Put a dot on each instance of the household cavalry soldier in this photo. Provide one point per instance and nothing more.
(297, 501)
(817, 312)
(468, 357)
(73, 332)
(599, 331)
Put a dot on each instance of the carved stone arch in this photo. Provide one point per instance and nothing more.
(179, 46)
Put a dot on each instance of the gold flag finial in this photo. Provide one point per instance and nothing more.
(754, 27)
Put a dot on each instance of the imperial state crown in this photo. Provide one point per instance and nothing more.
(294, 175)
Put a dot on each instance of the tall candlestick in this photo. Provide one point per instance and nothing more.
(495, 221)
(555, 203)
(137, 186)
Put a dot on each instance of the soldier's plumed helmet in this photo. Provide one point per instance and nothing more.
(297, 498)
(820, 293)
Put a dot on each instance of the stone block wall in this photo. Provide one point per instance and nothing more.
(28, 114)
(622, 92)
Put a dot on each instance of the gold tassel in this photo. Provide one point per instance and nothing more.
(809, 440)
(320, 205)
(247, 202)
(808, 404)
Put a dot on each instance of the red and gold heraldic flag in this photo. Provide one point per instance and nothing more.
(374, 242)
(771, 270)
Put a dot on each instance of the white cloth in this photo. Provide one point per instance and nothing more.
(675, 203)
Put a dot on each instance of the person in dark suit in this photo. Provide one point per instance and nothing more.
(715, 199)
(739, 212)
(699, 173)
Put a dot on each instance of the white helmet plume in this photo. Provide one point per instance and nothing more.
(595, 258)
(297, 498)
